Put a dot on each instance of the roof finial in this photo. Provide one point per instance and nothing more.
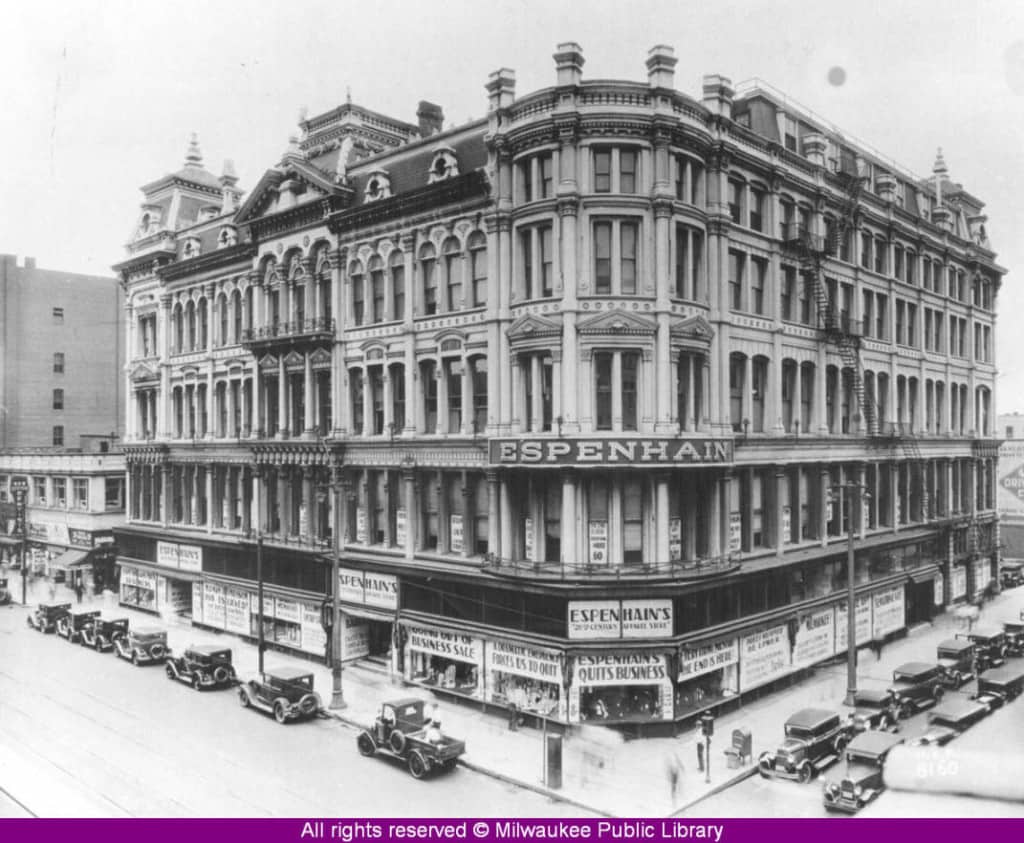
(940, 164)
(193, 158)
(348, 95)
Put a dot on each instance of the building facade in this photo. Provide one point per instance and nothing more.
(61, 355)
(598, 383)
(1010, 485)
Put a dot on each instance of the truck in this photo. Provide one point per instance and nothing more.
(402, 731)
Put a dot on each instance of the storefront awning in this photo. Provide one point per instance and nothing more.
(162, 570)
(368, 614)
(921, 575)
(71, 559)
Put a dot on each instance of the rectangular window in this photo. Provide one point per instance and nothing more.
(58, 362)
(478, 276)
(806, 291)
(430, 399)
(60, 491)
(735, 194)
(398, 289)
(603, 390)
(358, 294)
(630, 389)
(881, 317)
(682, 257)
(526, 252)
(39, 490)
(912, 325)
(602, 258)
(757, 284)
(735, 280)
(632, 522)
(545, 165)
(58, 434)
(602, 171)
(627, 171)
(546, 272)
(81, 491)
(377, 284)
(58, 399)
(429, 288)
(628, 238)
(901, 320)
(355, 378)
(787, 292)
(757, 209)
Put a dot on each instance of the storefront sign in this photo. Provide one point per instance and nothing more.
(286, 610)
(764, 656)
(455, 533)
(815, 638)
(862, 620)
(588, 619)
(554, 452)
(958, 583)
(698, 659)
(940, 582)
(675, 539)
(528, 537)
(187, 557)
(440, 642)
(355, 638)
(787, 524)
(735, 531)
(80, 538)
(368, 588)
(362, 527)
(888, 611)
(236, 611)
(599, 543)
(38, 531)
(213, 605)
(179, 595)
(197, 602)
(400, 523)
(621, 669)
(314, 639)
(509, 657)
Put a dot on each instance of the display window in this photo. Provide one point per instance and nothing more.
(526, 677)
(442, 659)
(625, 686)
(706, 690)
(138, 589)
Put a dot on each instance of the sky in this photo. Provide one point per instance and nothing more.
(99, 98)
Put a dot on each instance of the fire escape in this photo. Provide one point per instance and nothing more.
(843, 332)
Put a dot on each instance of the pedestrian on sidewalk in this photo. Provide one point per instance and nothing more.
(674, 772)
(78, 589)
(699, 743)
(876, 648)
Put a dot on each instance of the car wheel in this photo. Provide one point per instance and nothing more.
(279, 713)
(221, 674)
(840, 744)
(243, 698)
(367, 745)
(196, 683)
(803, 773)
(764, 768)
(418, 765)
(169, 671)
(397, 742)
(904, 711)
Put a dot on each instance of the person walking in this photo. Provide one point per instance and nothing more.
(78, 588)
(674, 773)
(699, 743)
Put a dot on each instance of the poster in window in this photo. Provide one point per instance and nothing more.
(400, 527)
(314, 639)
(764, 656)
(939, 583)
(815, 637)
(213, 604)
(303, 520)
(355, 638)
(862, 619)
(528, 538)
(787, 524)
(599, 543)
(362, 527)
(958, 583)
(268, 604)
(675, 539)
(735, 531)
(236, 611)
(197, 602)
(286, 610)
(455, 531)
(887, 611)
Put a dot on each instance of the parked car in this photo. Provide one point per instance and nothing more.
(957, 713)
(401, 731)
(874, 708)
(991, 646)
(1000, 686)
(103, 632)
(5, 592)
(956, 658)
(1011, 573)
(916, 685)
(814, 739)
(1014, 631)
(146, 645)
(46, 615)
(285, 692)
(861, 781)
(70, 625)
(202, 666)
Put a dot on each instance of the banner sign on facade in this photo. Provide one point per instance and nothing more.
(80, 538)
(187, 557)
(523, 660)
(590, 619)
(236, 611)
(675, 539)
(940, 582)
(764, 656)
(787, 524)
(355, 638)
(314, 639)
(400, 527)
(197, 602)
(368, 588)
(815, 638)
(888, 614)
(610, 452)
(598, 543)
(698, 659)
(440, 642)
(735, 531)
(213, 605)
(455, 533)
(862, 620)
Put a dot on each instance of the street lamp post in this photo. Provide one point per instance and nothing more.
(851, 595)
(337, 696)
(19, 487)
(260, 643)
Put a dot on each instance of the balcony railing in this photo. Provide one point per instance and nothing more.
(312, 329)
(799, 238)
(678, 569)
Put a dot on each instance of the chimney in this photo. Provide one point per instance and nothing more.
(718, 95)
(815, 147)
(501, 88)
(431, 117)
(30, 263)
(569, 63)
(661, 63)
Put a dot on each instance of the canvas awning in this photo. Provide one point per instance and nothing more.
(71, 559)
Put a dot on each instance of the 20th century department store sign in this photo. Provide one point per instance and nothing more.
(620, 618)
(609, 452)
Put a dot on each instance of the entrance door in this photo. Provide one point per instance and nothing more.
(920, 598)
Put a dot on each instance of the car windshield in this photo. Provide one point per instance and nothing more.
(799, 732)
(900, 676)
(860, 758)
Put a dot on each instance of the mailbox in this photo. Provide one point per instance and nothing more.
(743, 743)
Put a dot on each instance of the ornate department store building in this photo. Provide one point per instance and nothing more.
(602, 382)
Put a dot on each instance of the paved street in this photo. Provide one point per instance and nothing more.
(86, 734)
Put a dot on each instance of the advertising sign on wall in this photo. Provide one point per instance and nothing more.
(368, 588)
(698, 659)
(188, 557)
(675, 539)
(598, 543)
(523, 660)
(455, 533)
(400, 523)
(815, 637)
(622, 669)
(620, 618)
(940, 582)
(735, 531)
(1010, 488)
(314, 639)
(887, 611)
(197, 602)
(862, 619)
(236, 611)
(355, 638)
(764, 656)
(451, 645)
(958, 583)
(610, 452)
(213, 605)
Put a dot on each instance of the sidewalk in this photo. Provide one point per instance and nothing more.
(607, 776)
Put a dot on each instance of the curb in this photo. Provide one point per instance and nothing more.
(718, 788)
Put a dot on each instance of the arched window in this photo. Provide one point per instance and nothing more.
(236, 310)
(190, 320)
(452, 274)
(396, 263)
(477, 246)
(357, 285)
(428, 278)
(179, 329)
(203, 325)
(222, 311)
(376, 270)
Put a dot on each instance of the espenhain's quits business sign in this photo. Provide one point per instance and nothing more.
(589, 619)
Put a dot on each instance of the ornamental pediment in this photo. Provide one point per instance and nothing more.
(144, 372)
(268, 362)
(294, 360)
(532, 326)
(320, 357)
(618, 322)
(692, 328)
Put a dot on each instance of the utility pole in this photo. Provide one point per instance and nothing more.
(854, 502)
(19, 488)
(337, 696)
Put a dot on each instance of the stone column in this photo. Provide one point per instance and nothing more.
(568, 209)
(282, 399)
(467, 397)
(661, 520)
(411, 513)
(309, 420)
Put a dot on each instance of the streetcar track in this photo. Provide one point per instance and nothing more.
(18, 802)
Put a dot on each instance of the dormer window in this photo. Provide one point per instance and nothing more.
(191, 248)
(227, 237)
(443, 166)
(378, 186)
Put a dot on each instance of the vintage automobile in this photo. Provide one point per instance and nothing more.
(146, 645)
(1014, 631)
(991, 646)
(815, 738)
(861, 781)
(874, 708)
(103, 632)
(402, 731)
(46, 615)
(1011, 573)
(70, 625)
(202, 666)
(957, 713)
(5, 592)
(956, 658)
(1000, 685)
(916, 685)
(286, 692)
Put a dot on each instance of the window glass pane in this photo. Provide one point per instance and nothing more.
(627, 171)
(628, 237)
(602, 258)
(603, 388)
(630, 375)
(602, 171)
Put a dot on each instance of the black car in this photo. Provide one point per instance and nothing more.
(1011, 573)
(814, 738)
(956, 658)
(1014, 632)
(202, 666)
(991, 644)
(874, 708)
(71, 624)
(46, 615)
(916, 685)
(862, 780)
(103, 632)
